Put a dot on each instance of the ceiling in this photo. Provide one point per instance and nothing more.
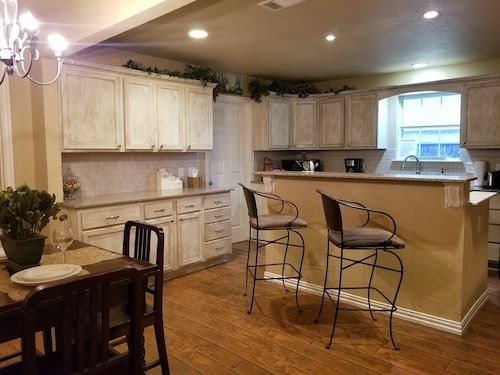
(373, 36)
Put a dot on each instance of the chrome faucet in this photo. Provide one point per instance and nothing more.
(417, 166)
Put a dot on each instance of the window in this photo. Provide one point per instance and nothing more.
(426, 124)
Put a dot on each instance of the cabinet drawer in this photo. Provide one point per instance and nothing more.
(217, 230)
(218, 214)
(494, 217)
(158, 209)
(218, 247)
(494, 233)
(106, 216)
(218, 200)
(190, 204)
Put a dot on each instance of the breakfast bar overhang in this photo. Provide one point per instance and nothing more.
(445, 258)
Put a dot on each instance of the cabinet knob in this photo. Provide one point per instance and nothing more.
(161, 147)
(152, 147)
(118, 146)
(159, 210)
(112, 217)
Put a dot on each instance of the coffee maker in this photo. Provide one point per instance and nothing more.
(353, 165)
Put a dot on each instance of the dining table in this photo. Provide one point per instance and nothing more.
(89, 259)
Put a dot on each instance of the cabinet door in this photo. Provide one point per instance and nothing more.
(139, 114)
(109, 238)
(170, 248)
(279, 123)
(170, 110)
(361, 121)
(331, 123)
(92, 110)
(304, 123)
(481, 115)
(189, 238)
(199, 118)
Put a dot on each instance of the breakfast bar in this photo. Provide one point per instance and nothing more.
(445, 257)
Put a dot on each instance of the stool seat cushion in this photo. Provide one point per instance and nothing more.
(274, 221)
(366, 237)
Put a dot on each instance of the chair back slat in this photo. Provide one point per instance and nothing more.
(251, 202)
(333, 214)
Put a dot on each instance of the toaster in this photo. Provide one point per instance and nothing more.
(492, 179)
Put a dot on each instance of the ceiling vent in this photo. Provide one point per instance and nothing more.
(276, 5)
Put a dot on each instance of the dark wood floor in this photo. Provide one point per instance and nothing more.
(209, 332)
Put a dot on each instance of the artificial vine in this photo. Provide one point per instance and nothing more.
(256, 87)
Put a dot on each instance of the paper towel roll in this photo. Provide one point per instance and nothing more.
(479, 170)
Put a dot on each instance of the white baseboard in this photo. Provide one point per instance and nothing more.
(451, 326)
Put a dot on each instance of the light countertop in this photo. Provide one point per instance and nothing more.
(374, 176)
(141, 196)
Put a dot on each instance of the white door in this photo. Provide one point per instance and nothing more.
(228, 162)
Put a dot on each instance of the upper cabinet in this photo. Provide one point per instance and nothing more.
(361, 121)
(481, 115)
(91, 110)
(331, 122)
(119, 110)
(304, 132)
(271, 119)
(199, 118)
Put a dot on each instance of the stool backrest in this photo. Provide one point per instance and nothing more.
(251, 202)
(333, 214)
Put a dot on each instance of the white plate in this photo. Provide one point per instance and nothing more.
(43, 274)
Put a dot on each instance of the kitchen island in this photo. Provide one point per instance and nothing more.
(445, 258)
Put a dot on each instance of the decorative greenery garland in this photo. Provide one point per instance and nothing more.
(256, 87)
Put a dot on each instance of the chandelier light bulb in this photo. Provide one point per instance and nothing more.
(57, 43)
(28, 23)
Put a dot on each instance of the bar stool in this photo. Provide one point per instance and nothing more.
(285, 219)
(368, 242)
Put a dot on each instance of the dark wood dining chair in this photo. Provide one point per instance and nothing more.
(146, 242)
(79, 310)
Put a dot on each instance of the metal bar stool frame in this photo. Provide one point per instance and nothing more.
(279, 221)
(376, 240)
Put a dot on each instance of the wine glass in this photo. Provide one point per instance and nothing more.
(62, 239)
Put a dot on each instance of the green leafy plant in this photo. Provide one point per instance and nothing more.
(24, 212)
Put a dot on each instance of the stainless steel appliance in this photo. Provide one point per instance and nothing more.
(353, 165)
(492, 179)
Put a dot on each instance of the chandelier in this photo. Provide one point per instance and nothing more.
(18, 43)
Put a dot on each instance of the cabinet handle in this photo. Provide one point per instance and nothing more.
(161, 147)
(112, 217)
(219, 230)
(217, 202)
(118, 146)
(217, 216)
(219, 247)
(159, 210)
(152, 147)
(188, 205)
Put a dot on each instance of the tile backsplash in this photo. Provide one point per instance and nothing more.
(108, 173)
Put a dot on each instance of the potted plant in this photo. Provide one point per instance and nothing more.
(24, 212)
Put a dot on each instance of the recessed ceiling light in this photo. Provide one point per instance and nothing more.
(419, 65)
(431, 14)
(330, 37)
(198, 34)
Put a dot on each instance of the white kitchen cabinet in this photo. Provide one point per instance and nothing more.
(109, 238)
(304, 125)
(199, 118)
(139, 113)
(331, 123)
(272, 119)
(170, 111)
(217, 218)
(481, 115)
(161, 213)
(361, 121)
(189, 231)
(91, 110)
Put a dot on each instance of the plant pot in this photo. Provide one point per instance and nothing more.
(23, 254)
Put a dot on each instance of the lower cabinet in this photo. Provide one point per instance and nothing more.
(197, 229)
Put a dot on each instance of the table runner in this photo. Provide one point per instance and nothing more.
(81, 257)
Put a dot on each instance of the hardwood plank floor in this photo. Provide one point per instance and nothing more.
(208, 331)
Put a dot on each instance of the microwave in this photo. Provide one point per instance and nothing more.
(492, 179)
